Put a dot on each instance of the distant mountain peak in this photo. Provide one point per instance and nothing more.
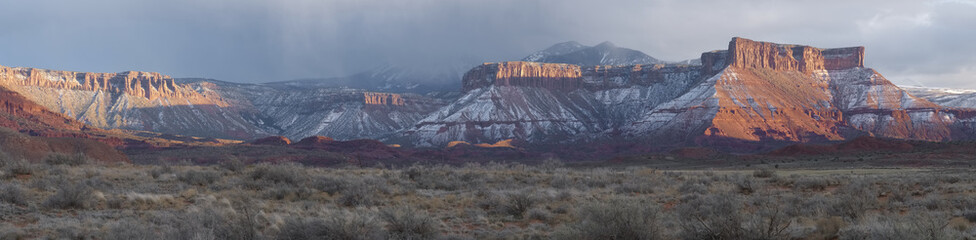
(605, 44)
(569, 44)
(605, 53)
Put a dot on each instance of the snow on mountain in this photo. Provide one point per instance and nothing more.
(555, 50)
(755, 92)
(605, 53)
(947, 97)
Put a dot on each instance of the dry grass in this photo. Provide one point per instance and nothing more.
(491, 201)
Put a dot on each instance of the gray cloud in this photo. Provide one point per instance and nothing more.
(911, 42)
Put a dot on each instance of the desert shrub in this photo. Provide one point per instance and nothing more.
(160, 170)
(198, 178)
(744, 185)
(330, 185)
(689, 187)
(13, 193)
(810, 184)
(10, 232)
(216, 222)
(71, 196)
(490, 202)
(340, 226)
(538, 214)
(970, 216)
(853, 199)
(615, 219)
(826, 228)
(769, 219)
(714, 216)
(287, 192)
(406, 223)
(233, 165)
(358, 195)
(67, 159)
(19, 167)
(917, 225)
(131, 229)
(561, 182)
(442, 178)
(551, 164)
(292, 174)
(519, 202)
(764, 173)
(636, 186)
(4, 158)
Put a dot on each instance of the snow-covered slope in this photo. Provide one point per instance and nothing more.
(543, 102)
(339, 113)
(605, 53)
(134, 100)
(755, 92)
(947, 97)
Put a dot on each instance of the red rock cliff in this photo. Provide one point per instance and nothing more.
(745, 53)
(373, 98)
(843, 58)
(544, 75)
(144, 84)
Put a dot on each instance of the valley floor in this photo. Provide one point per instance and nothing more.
(68, 197)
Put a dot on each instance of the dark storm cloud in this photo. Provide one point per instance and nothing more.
(911, 42)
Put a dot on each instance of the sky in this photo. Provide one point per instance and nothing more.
(922, 43)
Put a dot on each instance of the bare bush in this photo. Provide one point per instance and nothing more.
(853, 199)
(764, 173)
(615, 219)
(714, 216)
(292, 174)
(156, 172)
(13, 193)
(19, 167)
(918, 225)
(520, 202)
(330, 185)
(198, 178)
(233, 165)
(71, 196)
(403, 222)
(340, 226)
(67, 159)
(358, 195)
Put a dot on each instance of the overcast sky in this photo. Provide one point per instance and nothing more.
(929, 43)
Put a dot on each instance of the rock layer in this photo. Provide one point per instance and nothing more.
(529, 74)
(756, 92)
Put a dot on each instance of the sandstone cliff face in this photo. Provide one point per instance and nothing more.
(529, 74)
(143, 84)
(843, 58)
(752, 92)
(136, 101)
(775, 92)
(373, 98)
(343, 114)
(542, 109)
